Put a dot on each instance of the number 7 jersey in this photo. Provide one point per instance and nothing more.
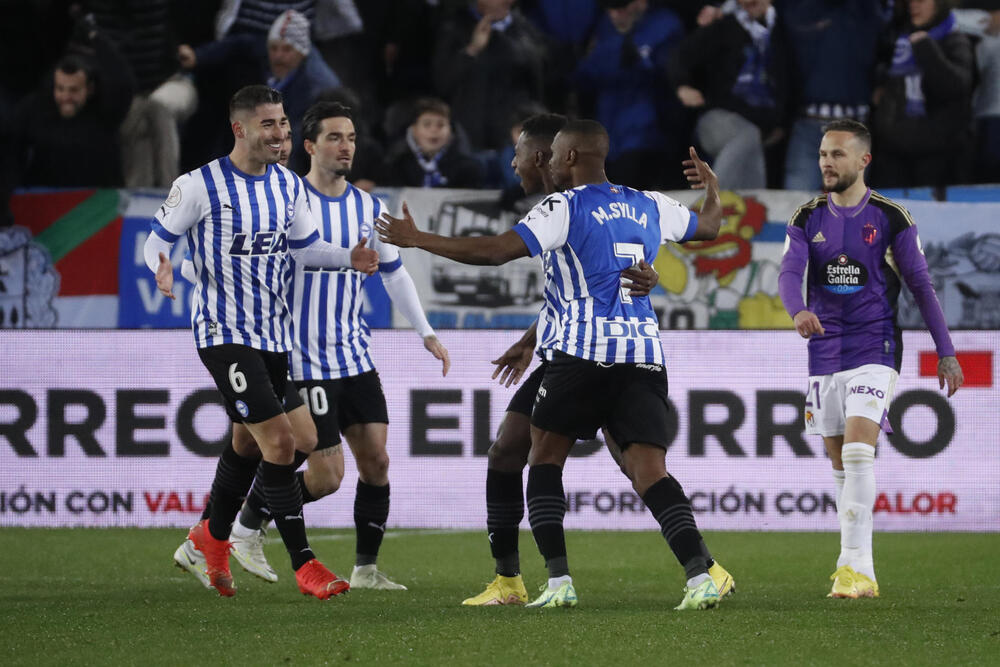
(589, 235)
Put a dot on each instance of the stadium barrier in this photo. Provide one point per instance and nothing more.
(121, 428)
(75, 261)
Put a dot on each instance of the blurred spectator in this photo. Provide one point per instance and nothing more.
(489, 60)
(981, 18)
(431, 155)
(568, 26)
(625, 70)
(825, 87)
(143, 32)
(255, 17)
(922, 119)
(286, 61)
(66, 134)
(733, 71)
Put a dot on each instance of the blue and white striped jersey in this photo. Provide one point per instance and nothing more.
(331, 337)
(592, 233)
(239, 228)
(547, 330)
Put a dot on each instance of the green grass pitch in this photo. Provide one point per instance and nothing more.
(75, 597)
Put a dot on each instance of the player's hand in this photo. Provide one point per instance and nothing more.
(439, 351)
(364, 259)
(512, 364)
(480, 36)
(950, 372)
(640, 279)
(186, 56)
(699, 174)
(165, 277)
(401, 232)
(690, 97)
(807, 324)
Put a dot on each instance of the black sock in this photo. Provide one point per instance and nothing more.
(207, 512)
(371, 510)
(307, 497)
(546, 510)
(284, 497)
(255, 513)
(233, 476)
(504, 511)
(672, 510)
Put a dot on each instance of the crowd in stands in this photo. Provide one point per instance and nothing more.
(132, 93)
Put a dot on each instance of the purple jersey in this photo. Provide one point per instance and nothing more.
(854, 259)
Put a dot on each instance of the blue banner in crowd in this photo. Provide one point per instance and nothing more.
(140, 304)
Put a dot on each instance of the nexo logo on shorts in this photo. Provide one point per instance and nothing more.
(242, 408)
(843, 275)
(864, 389)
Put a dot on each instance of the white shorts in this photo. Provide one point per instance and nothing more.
(865, 391)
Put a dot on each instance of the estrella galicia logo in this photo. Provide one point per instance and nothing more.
(843, 275)
(242, 408)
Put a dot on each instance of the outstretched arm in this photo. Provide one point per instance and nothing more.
(478, 250)
(399, 285)
(701, 177)
(512, 364)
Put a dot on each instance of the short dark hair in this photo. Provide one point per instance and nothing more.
(858, 129)
(430, 105)
(73, 63)
(543, 126)
(313, 119)
(249, 98)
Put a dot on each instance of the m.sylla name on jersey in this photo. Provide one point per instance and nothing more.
(843, 275)
(618, 210)
(264, 243)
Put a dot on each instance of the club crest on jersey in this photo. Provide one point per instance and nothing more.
(869, 233)
(290, 210)
(618, 210)
(174, 198)
(365, 230)
(262, 243)
(843, 275)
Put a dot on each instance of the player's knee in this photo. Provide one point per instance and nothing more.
(374, 466)
(508, 454)
(283, 446)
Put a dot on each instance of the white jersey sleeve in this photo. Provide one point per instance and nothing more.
(546, 226)
(677, 221)
(185, 206)
(303, 226)
(388, 254)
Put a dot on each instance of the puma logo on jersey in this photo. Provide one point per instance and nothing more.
(263, 243)
(819, 238)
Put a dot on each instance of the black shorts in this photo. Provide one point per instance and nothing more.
(250, 380)
(577, 397)
(337, 404)
(292, 398)
(523, 399)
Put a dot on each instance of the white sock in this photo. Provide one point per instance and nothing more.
(556, 582)
(838, 479)
(697, 580)
(855, 507)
